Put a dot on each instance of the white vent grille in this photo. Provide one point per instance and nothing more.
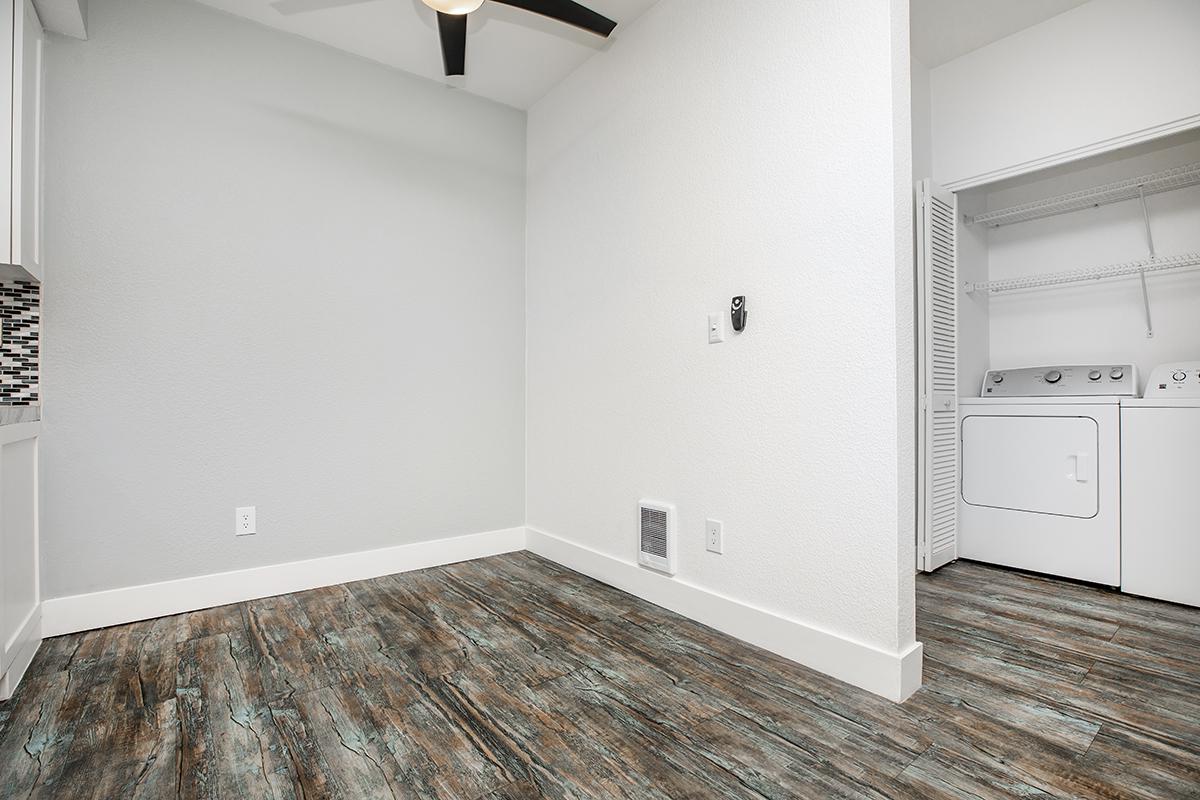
(937, 270)
(656, 536)
(654, 532)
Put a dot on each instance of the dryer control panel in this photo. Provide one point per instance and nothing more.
(1175, 380)
(1090, 380)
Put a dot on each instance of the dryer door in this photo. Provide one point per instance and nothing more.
(1045, 465)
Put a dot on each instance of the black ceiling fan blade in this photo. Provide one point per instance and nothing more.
(453, 30)
(569, 12)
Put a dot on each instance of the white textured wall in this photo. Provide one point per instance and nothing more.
(1079, 83)
(713, 152)
(922, 122)
(277, 275)
(1098, 322)
(904, 348)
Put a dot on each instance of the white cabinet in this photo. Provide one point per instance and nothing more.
(21, 92)
(21, 257)
(20, 594)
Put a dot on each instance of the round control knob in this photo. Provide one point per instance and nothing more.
(997, 379)
(1095, 375)
(1053, 376)
(1180, 376)
(1117, 374)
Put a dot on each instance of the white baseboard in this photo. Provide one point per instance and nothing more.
(118, 606)
(12, 678)
(893, 675)
(25, 643)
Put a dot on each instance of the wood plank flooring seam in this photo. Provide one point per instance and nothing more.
(1085, 675)
(179, 740)
(916, 758)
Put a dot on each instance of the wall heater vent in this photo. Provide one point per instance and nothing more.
(656, 529)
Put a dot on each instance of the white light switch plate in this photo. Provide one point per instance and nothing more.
(716, 328)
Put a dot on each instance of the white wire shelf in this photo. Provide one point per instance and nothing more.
(1147, 266)
(1165, 181)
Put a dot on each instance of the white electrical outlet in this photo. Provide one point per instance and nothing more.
(244, 524)
(714, 536)
(716, 328)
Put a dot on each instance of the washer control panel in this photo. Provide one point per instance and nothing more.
(1089, 380)
(1180, 380)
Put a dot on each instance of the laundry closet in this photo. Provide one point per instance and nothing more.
(1058, 272)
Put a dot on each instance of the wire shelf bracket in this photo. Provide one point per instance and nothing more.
(1131, 189)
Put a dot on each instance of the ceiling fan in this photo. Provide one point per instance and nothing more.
(452, 20)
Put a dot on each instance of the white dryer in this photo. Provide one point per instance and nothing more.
(1160, 474)
(1041, 470)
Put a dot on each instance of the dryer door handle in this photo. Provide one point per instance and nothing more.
(1083, 467)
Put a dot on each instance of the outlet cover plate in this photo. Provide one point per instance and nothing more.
(714, 536)
(244, 523)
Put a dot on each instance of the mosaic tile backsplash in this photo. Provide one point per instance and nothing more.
(20, 324)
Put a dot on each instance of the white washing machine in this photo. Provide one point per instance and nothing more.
(1041, 470)
(1160, 474)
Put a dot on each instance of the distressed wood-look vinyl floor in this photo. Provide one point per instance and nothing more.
(512, 678)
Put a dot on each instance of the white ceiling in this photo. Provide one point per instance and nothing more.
(513, 56)
(943, 30)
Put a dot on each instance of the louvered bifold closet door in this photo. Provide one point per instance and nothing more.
(937, 473)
